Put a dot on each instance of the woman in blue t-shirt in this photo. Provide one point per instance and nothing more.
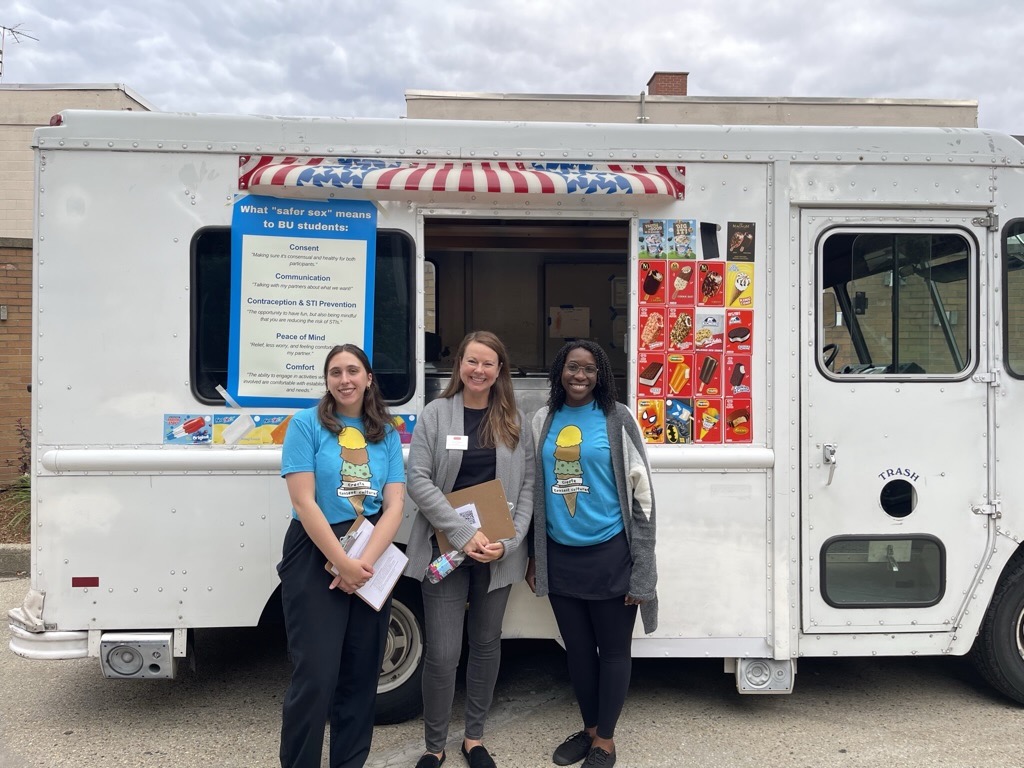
(341, 459)
(593, 540)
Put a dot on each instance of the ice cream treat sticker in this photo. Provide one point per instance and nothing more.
(651, 415)
(568, 470)
(739, 286)
(651, 279)
(741, 241)
(711, 285)
(652, 238)
(707, 417)
(355, 468)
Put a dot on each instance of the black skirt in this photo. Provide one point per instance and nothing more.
(597, 572)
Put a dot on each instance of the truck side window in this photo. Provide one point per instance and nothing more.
(895, 303)
(1013, 297)
(211, 306)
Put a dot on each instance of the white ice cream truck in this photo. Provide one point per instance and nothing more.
(821, 332)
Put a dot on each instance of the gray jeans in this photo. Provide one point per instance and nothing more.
(444, 607)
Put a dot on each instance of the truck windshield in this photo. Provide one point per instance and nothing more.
(895, 303)
(211, 306)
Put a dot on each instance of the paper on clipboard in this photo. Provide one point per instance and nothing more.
(483, 506)
(386, 570)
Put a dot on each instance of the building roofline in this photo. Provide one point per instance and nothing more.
(130, 93)
(474, 95)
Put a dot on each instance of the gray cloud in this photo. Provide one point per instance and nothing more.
(356, 58)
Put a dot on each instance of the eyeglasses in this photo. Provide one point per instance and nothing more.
(574, 368)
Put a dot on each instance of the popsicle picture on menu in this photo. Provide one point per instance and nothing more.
(740, 239)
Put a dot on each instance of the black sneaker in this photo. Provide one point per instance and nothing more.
(573, 749)
(598, 758)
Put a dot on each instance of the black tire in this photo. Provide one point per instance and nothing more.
(399, 695)
(998, 652)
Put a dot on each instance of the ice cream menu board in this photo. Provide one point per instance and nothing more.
(695, 330)
(302, 279)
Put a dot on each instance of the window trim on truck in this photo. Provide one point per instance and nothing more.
(1013, 315)
(847, 305)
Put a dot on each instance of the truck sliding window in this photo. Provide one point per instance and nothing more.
(895, 303)
(1013, 297)
(211, 306)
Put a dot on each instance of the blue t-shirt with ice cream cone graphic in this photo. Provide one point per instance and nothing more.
(350, 473)
(582, 502)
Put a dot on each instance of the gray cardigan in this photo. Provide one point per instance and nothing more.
(431, 474)
(636, 500)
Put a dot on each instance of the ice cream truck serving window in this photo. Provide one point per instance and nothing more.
(896, 303)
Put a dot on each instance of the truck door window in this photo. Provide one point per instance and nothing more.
(895, 303)
(882, 571)
(211, 307)
(1013, 297)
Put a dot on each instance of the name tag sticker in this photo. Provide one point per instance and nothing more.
(457, 442)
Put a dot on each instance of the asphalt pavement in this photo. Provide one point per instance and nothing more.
(888, 712)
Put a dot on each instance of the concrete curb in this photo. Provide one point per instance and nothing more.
(14, 559)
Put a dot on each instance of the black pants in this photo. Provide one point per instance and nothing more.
(598, 637)
(336, 643)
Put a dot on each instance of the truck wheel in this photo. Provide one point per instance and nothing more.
(998, 653)
(399, 696)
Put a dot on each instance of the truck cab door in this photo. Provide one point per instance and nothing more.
(895, 426)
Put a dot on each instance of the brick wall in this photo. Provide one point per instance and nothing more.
(15, 349)
(667, 84)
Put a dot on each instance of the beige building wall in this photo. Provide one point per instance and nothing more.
(690, 110)
(23, 108)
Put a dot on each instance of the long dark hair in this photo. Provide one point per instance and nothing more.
(604, 392)
(501, 422)
(375, 412)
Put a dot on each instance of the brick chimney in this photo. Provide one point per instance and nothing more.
(667, 84)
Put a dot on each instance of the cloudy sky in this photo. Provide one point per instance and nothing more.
(337, 57)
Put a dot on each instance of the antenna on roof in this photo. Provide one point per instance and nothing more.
(16, 34)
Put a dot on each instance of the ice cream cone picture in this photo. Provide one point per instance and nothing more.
(568, 470)
(740, 283)
(355, 468)
(708, 421)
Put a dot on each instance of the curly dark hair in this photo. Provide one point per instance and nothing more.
(604, 391)
(375, 412)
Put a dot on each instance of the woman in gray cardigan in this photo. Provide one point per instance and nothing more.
(593, 540)
(472, 434)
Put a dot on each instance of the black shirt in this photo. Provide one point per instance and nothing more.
(478, 464)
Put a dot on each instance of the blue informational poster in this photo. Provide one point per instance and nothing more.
(302, 281)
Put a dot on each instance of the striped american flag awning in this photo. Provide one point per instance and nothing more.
(264, 173)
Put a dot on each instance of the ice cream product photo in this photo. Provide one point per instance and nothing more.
(680, 291)
(679, 374)
(652, 279)
(738, 372)
(739, 281)
(651, 375)
(711, 280)
(738, 424)
(652, 326)
(710, 381)
(707, 418)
